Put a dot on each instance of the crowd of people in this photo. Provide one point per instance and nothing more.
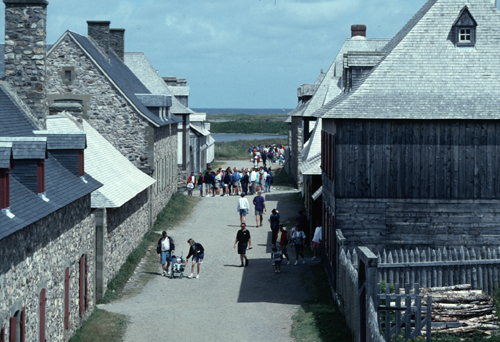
(254, 181)
(231, 181)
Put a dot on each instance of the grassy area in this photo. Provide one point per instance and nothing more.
(238, 150)
(101, 326)
(247, 123)
(319, 318)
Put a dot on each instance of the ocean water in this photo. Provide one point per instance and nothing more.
(225, 137)
(242, 110)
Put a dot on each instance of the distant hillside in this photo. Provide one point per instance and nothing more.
(211, 111)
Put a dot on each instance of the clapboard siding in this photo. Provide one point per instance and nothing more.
(409, 223)
(416, 159)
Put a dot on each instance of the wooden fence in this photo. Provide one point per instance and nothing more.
(442, 267)
(397, 310)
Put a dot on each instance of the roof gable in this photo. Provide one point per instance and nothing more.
(465, 18)
(118, 74)
(425, 76)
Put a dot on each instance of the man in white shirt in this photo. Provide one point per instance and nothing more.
(243, 207)
(165, 250)
(252, 179)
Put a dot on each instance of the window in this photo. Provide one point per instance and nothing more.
(464, 35)
(17, 326)
(43, 300)
(66, 298)
(465, 29)
(67, 74)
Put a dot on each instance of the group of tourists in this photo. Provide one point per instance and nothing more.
(280, 238)
(231, 181)
(166, 249)
(272, 154)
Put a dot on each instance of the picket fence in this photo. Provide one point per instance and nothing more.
(439, 267)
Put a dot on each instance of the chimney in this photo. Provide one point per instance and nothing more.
(25, 52)
(358, 30)
(117, 42)
(99, 32)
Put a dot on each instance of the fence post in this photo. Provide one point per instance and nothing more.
(367, 284)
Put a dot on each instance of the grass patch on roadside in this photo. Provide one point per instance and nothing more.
(101, 326)
(248, 123)
(319, 319)
(238, 150)
(284, 181)
(177, 210)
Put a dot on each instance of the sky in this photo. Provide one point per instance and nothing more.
(236, 53)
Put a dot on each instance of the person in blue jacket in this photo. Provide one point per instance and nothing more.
(196, 251)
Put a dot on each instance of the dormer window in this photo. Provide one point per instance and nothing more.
(464, 29)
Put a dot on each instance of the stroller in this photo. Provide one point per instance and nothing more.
(177, 267)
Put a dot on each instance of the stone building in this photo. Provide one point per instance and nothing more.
(194, 149)
(120, 206)
(46, 225)
(90, 70)
(409, 151)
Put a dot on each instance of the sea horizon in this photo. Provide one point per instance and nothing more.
(209, 111)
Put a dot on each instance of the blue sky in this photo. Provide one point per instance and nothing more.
(238, 53)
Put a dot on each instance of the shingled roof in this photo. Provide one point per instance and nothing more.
(311, 153)
(119, 74)
(425, 76)
(331, 85)
(147, 74)
(121, 180)
(61, 186)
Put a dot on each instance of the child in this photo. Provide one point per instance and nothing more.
(276, 258)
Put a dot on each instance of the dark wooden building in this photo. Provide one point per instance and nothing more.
(411, 151)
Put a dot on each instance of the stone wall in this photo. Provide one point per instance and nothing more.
(165, 156)
(124, 231)
(108, 111)
(36, 257)
(25, 50)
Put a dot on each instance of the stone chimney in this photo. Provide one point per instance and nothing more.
(117, 42)
(99, 32)
(25, 53)
(358, 30)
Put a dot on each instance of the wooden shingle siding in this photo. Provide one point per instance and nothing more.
(416, 159)
(405, 223)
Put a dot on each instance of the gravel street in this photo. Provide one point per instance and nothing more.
(227, 303)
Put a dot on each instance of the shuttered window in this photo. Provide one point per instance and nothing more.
(43, 300)
(82, 285)
(66, 298)
(13, 328)
(86, 280)
(81, 163)
(40, 176)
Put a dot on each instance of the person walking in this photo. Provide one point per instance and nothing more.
(243, 240)
(316, 240)
(200, 183)
(269, 180)
(196, 251)
(243, 207)
(274, 219)
(298, 238)
(165, 250)
(281, 241)
(244, 182)
(191, 183)
(252, 179)
(260, 207)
